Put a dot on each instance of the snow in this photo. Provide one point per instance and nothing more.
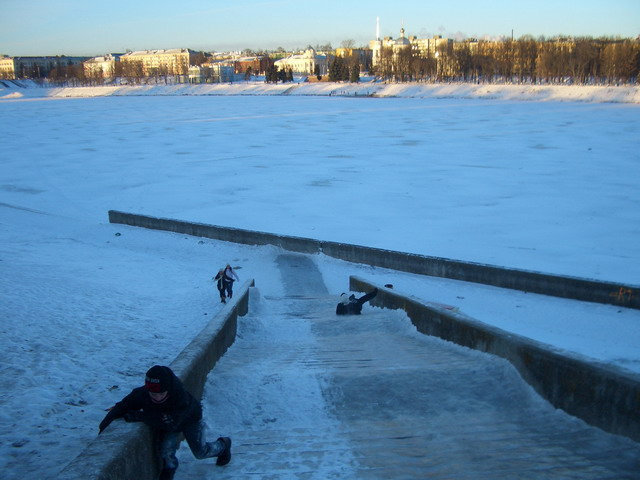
(470, 172)
(520, 92)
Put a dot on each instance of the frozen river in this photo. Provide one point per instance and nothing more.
(536, 185)
(87, 307)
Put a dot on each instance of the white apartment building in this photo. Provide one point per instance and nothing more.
(171, 62)
(214, 72)
(103, 66)
(429, 47)
(304, 63)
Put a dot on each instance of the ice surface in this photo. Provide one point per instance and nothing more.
(87, 307)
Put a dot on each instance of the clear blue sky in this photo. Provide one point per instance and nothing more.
(87, 27)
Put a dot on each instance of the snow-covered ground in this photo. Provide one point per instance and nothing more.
(521, 92)
(87, 306)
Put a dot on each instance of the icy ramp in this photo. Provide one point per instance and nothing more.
(300, 276)
(306, 394)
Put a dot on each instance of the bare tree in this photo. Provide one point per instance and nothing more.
(133, 71)
(199, 58)
(621, 61)
(402, 65)
(547, 61)
(348, 43)
(463, 60)
(504, 59)
(582, 60)
(526, 51)
(384, 68)
(118, 69)
(183, 66)
(163, 72)
(557, 60)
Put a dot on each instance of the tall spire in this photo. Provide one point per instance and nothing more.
(378, 28)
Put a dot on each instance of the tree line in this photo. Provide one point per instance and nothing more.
(133, 72)
(526, 60)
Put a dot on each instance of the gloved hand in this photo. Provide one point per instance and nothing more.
(103, 424)
(136, 416)
(167, 421)
(106, 420)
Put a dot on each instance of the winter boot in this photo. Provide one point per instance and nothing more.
(225, 456)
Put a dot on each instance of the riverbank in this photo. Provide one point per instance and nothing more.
(563, 93)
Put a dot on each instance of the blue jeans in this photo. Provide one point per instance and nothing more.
(194, 434)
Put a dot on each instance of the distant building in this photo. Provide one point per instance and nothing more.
(362, 55)
(428, 47)
(471, 43)
(258, 65)
(216, 72)
(307, 63)
(35, 67)
(7, 68)
(159, 62)
(199, 74)
(104, 66)
(423, 47)
(396, 45)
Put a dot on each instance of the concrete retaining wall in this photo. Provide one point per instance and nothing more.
(599, 394)
(528, 281)
(124, 451)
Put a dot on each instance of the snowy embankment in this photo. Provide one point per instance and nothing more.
(572, 93)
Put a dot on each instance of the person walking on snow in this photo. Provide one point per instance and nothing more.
(171, 411)
(219, 279)
(350, 305)
(225, 279)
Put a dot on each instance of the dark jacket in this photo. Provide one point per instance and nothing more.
(178, 410)
(351, 308)
(219, 278)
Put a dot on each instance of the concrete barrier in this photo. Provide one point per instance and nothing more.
(601, 395)
(226, 234)
(125, 450)
(524, 280)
